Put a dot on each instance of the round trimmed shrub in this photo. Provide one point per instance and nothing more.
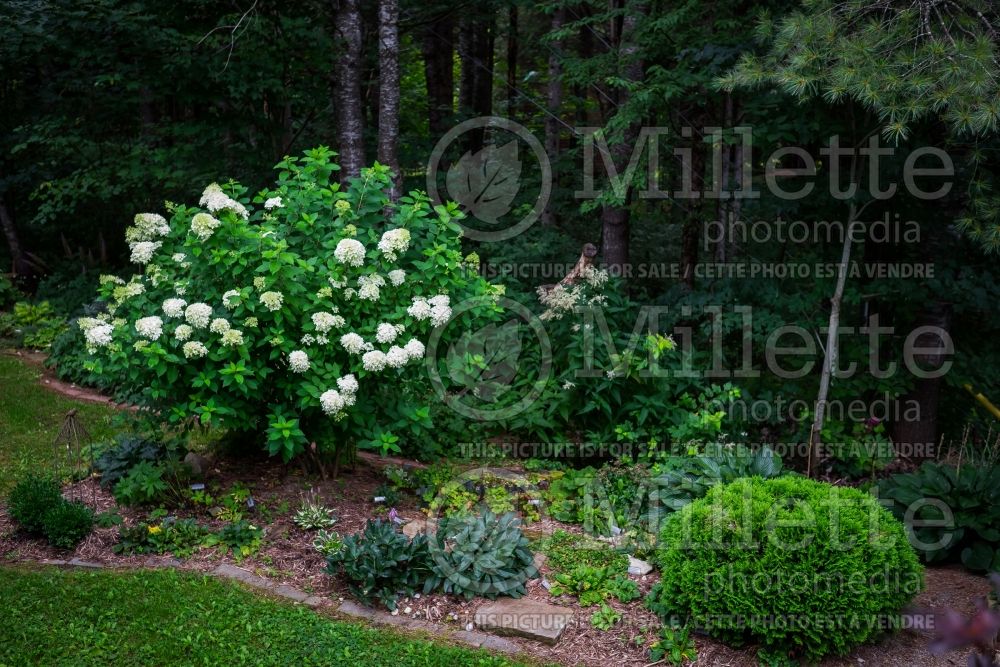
(30, 499)
(803, 568)
(67, 523)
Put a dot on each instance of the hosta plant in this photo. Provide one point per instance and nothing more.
(290, 313)
(482, 555)
(313, 517)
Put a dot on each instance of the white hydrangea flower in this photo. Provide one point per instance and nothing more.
(394, 241)
(183, 332)
(397, 277)
(174, 307)
(337, 284)
(373, 361)
(368, 287)
(298, 361)
(194, 350)
(231, 299)
(250, 322)
(441, 300)
(259, 283)
(143, 251)
(396, 357)
(272, 300)
(349, 293)
(215, 200)
(203, 226)
(440, 315)
(414, 348)
(273, 203)
(387, 333)
(348, 384)
(350, 252)
(198, 315)
(232, 338)
(419, 309)
(107, 279)
(324, 321)
(97, 333)
(148, 226)
(178, 257)
(149, 327)
(331, 401)
(342, 206)
(353, 343)
(322, 340)
(219, 326)
(308, 339)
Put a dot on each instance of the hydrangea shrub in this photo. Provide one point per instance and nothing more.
(285, 311)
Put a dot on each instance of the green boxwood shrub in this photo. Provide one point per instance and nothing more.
(66, 523)
(30, 499)
(803, 568)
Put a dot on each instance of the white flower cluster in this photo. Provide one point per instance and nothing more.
(333, 401)
(232, 337)
(394, 241)
(194, 350)
(215, 200)
(368, 287)
(387, 333)
(325, 321)
(437, 308)
(272, 300)
(142, 251)
(397, 277)
(219, 326)
(354, 344)
(596, 278)
(231, 299)
(174, 307)
(198, 315)
(131, 289)
(350, 252)
(150, 327)
(148, 226)
(203, 226)
(298, 361)
(183, 332)
(273, 203)
(96, 332)
(559, 300)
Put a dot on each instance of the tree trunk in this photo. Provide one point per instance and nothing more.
(347, 90)
(388, 97)
(615, 219)
(512, 62)
(475, 96)
(438, 46)
(926, 392)
(19, 263)
(554, 103)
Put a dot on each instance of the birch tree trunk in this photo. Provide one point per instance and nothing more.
(388, 96)
(347, 90)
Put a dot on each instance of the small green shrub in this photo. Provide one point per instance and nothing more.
(66, 523)
(180, 537)
(480, 555)
(240, 537)
(972, 495)
(674, 646)
(798, 565)
(32, 325)
(30, 499)
(593, 585)
(380, 563)
(566, 551)
(605, 618)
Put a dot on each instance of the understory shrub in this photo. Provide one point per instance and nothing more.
(482, 555)
(564, 551)
(807, 568)
(180, 537)
(30, 499)
(290, 315)
(66, 523)
(380, 563)
(32, 325)
(124, 453)
(972, 497)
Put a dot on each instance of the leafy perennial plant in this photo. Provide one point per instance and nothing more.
(300, 308)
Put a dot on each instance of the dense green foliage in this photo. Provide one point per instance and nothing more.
(802, 567)
(147, 617)
(380, 563)
(66, 523)
(31, 499)
(485, 555)
(952, 514)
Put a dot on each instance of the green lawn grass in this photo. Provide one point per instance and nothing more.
(30, 419)
(164, 617)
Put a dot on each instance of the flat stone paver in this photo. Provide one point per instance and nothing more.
(239, 574)
(354, 609)
(291, 593)
(524, 618)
